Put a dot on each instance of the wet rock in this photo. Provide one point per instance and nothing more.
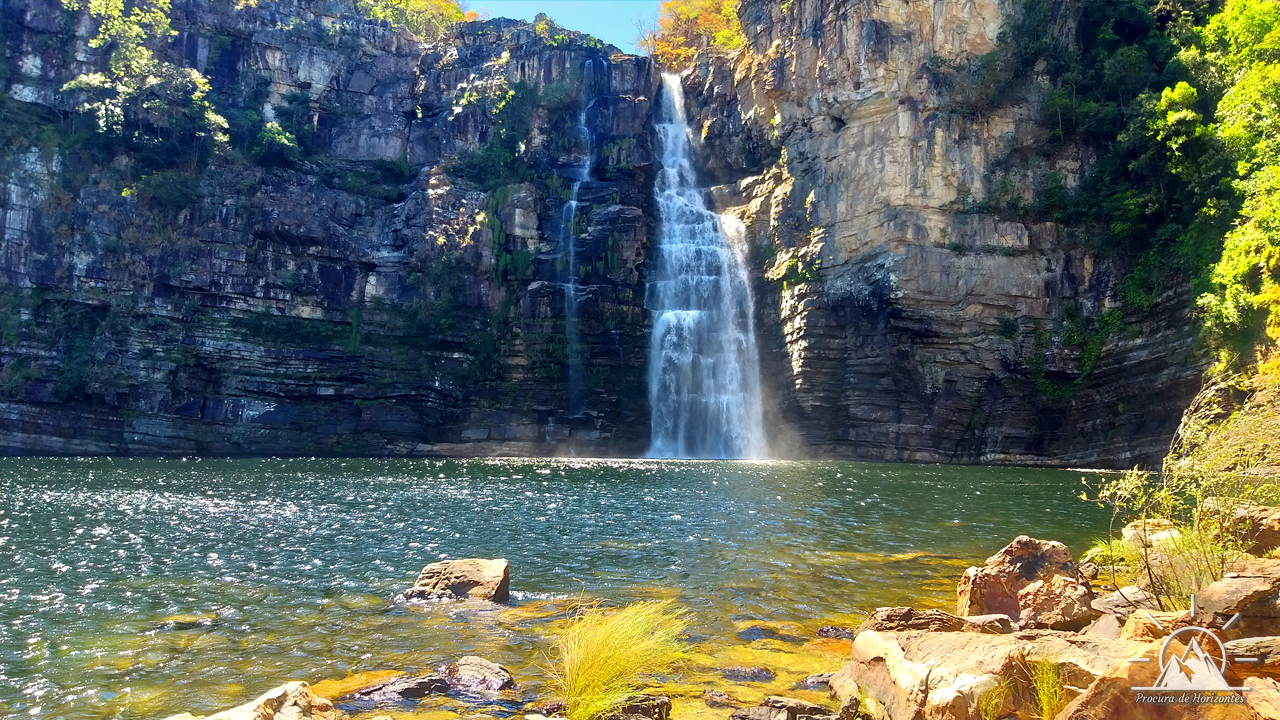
(472, 674)
(409, 688)
(1264, 650)
(916, 675)
(1149, 532)
(762, 632)
(759, 713)
(455, 579)
(793, 707)
(890, 619)
(835, 631)
(653, 707)
(718, 698)
(1252, 591)
(820, 681)
(553, 707)
(1057, 602)
(291, 701)
(996, 587)
(1123, 602)
(739, 673)
(1257, 525)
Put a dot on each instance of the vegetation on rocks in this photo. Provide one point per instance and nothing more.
(687, 27)
(600, 658)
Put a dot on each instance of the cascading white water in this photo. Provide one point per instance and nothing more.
(704, 368)
(579, 172)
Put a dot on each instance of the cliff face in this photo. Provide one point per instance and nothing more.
(361, 298)
(399, 286)
(902, 323)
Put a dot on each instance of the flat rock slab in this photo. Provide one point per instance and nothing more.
(896, 619)
(457, 579)
(918, 675)
(1263, 654)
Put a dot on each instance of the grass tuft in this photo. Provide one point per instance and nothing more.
(1046, 688)
(601, 656)
(991, 704)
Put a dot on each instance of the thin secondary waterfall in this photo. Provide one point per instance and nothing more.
(704, 368)
(578, 173)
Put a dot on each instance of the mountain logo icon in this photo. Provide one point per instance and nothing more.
(1200, 666)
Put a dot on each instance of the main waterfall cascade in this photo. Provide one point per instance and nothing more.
(704, 367)
(578, 173)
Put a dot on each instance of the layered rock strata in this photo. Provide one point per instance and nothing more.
(901, 322)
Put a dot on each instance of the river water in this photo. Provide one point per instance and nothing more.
(142, 588)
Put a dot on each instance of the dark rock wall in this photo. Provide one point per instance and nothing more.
(361, 299)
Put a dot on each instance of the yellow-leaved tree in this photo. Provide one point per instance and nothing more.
(687, 26)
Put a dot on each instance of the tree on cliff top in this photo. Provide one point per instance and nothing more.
(686, 27)
(428, 19)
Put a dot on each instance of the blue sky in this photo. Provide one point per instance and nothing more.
(613, 21)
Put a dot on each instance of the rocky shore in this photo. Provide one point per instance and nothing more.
(1035, 635)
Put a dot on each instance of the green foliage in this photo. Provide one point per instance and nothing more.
(428, 19)
(167, 190)
(140, 96)
(275, 147)
(497, 162)
(599, 659)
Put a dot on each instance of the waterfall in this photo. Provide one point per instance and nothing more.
(704, 368)
(578, 173)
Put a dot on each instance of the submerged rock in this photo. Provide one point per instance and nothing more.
(454, 579)
(718, 698)
(835, 631)
(653, 707)
(739, 673)
(291, 701)
(473, 674)
(889, 619)
(1058, 597)
(408, 688)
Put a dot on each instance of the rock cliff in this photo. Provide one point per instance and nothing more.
(397, 288)
(905, 324)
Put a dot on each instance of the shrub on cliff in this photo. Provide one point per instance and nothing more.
(428, 19)
(601, 656)
(686, 27)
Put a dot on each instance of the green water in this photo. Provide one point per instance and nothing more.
(286, 569)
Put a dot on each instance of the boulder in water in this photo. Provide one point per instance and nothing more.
(820, 681)
(404, 688)
(291, 701)
(1056, 602)
(472, 674)
(456, 579)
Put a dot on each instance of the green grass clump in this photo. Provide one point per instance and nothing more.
(600, 658)
(1046, 688)
(991, 704)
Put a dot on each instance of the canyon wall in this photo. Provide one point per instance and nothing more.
(359, 298)
(398, 287)
(903, 321)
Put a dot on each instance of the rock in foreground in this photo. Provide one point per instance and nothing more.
(457, 579)
(472, 674)
(291, 701)
(1032, 581)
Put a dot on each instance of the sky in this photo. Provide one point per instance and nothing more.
(613, 21)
